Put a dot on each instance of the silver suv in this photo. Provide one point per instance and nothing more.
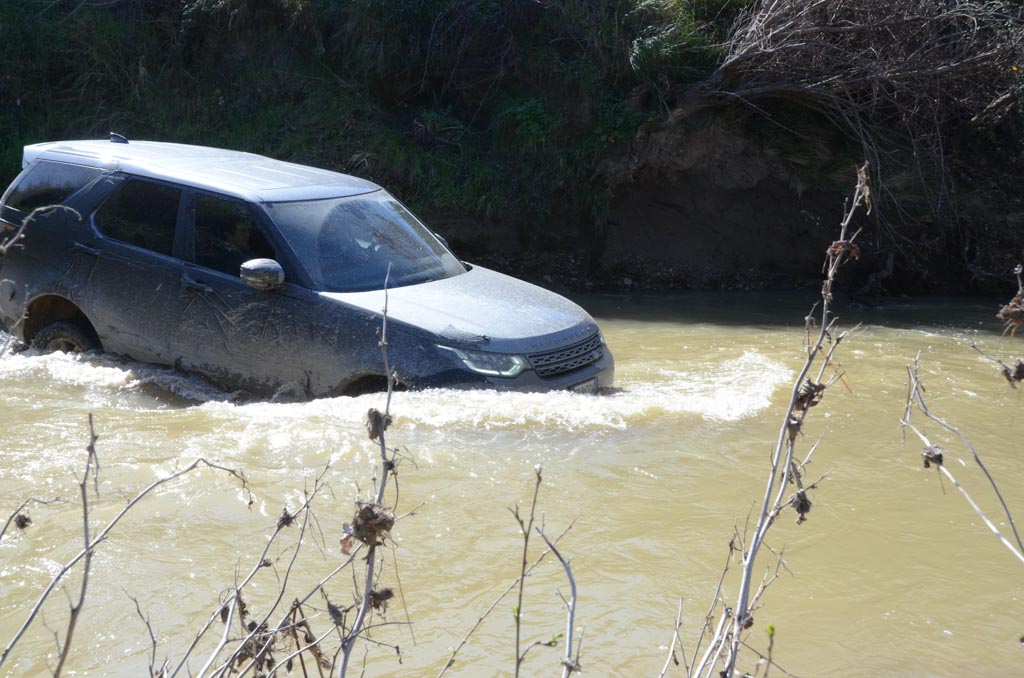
(260, 275)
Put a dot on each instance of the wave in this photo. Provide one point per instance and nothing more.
(726, 390)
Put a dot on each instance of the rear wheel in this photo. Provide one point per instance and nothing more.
(66, 337)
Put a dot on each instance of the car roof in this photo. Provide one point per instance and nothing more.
(243, 175)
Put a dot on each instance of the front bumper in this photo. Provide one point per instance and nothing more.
(592, 378)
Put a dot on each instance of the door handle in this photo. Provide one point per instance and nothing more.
(192, 284)
(82, 247)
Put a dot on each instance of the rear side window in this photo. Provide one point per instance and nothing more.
(227, 235)
(49, 183)
(141, 214)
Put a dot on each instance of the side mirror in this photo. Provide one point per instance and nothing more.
(262, 274)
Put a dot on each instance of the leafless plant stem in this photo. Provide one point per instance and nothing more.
(235, 596)
(388, 464)
(933, 455)
(919, 397)
(767, 659)
(261, 626)
(494, 604)
(21, 507)
(804, 395)
(7, 243)
(102, 535)
(716, 599)
(569, 664)
(525, 527)
(152, 640)
(714, 651)
(91, 468)
(299, 652)
(671, 658)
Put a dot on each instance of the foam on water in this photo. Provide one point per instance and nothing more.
(729, 390)
(105, 376)
(726, 390)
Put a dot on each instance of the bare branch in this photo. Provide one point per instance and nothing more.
(933, 455)
(525, 528)
(20, 518)
(102, 535)
(569, 664)
(672, 658)
(92, 465)
(378, 424)
(494, 604)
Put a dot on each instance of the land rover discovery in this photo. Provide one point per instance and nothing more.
(259, 275)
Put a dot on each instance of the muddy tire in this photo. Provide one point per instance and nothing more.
(66, 337)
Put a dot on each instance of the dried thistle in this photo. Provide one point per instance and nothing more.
(337, 616)
(932, 455)
(376, 423)
(1015, 374)
(286, 519)
(802, 504)
(379, 599)
(793, 426)
(840, 246)
(370, 524)
(1012, 314)
(810, 395)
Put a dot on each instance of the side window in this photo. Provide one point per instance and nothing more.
(49, 183)
(141, 214)
(227, 235)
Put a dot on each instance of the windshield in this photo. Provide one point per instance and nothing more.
(347, 243)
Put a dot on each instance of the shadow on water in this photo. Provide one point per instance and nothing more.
(788, 309)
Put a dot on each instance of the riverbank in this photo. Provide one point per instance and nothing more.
(606, 146)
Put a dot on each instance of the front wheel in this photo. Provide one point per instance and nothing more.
(66, 337)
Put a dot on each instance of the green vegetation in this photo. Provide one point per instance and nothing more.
(504, 111)
(486, 108)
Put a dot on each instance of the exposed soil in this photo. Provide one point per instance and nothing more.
(701, 203)
(693, 206)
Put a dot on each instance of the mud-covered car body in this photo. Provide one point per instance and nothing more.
(260, 275)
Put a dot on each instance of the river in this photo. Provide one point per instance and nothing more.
(893, 574)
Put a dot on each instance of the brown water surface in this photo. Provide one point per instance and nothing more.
(892, 575)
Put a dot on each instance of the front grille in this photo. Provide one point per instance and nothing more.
(563, 360)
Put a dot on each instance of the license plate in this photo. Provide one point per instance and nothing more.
(589, 387)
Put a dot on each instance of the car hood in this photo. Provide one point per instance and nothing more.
(483, 309)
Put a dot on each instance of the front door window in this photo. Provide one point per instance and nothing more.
(227, 235)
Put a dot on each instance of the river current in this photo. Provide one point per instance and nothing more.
(893, 574)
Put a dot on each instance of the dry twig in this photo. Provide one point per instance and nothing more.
(725, 642)
(933, 455)
(101, 536)
(380, 520)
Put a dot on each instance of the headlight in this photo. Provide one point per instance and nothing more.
(494, 364)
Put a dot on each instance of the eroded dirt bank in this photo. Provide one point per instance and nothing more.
(696, 205)
(712, 202)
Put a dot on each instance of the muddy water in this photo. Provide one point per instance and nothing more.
(892, 574)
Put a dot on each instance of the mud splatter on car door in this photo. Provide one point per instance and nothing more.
(132, 288)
